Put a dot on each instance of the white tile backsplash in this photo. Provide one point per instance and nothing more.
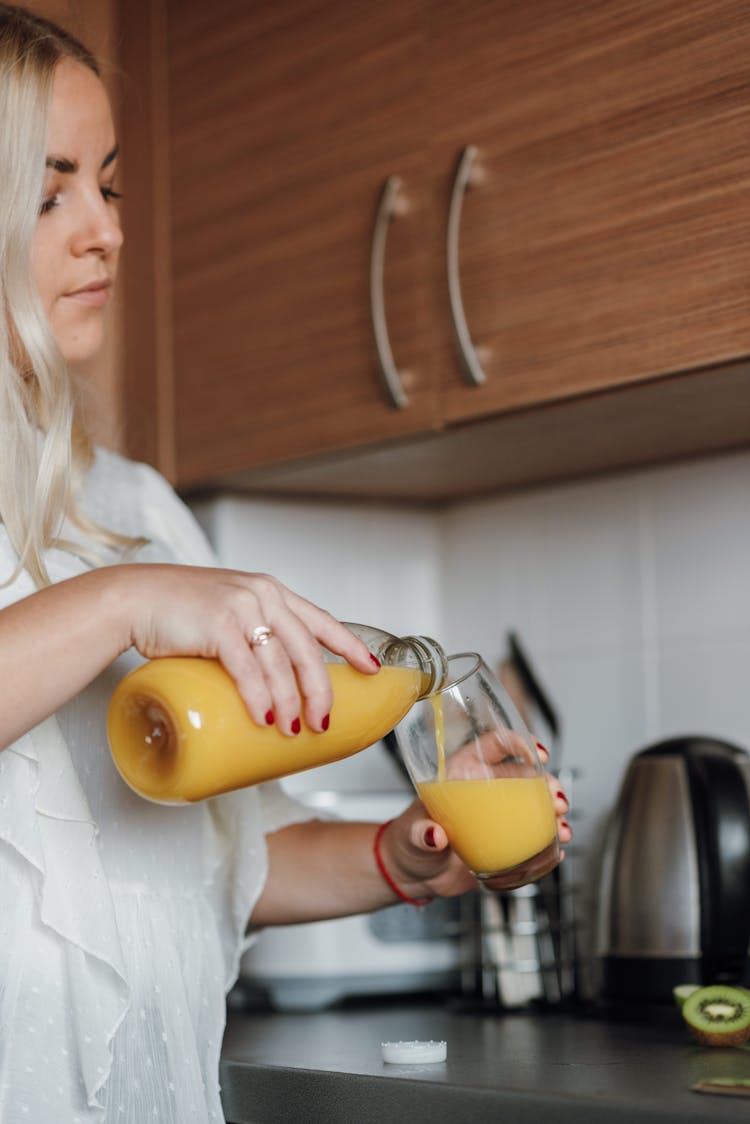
(365, 563)
(630, 593)
(561, 566)
(700, 524)
(703, 687)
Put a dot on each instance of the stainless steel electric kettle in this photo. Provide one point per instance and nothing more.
(674, 886)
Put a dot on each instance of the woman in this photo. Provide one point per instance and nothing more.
(122, 921)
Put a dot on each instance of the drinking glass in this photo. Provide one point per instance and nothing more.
(476, 769)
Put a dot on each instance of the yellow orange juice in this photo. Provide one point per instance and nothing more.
(492, 824)
(179, 731)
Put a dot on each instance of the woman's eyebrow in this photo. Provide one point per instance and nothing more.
(69, 167)
(60, 164)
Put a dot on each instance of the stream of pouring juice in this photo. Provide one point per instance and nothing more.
(493, 823)
(179, 731)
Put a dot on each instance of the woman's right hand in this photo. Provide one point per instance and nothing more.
(194, 611)
(83, 623)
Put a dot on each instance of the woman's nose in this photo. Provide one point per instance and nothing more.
(99, 229)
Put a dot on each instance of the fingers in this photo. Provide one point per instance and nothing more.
(543, 752)
(419, 856)
(239, 662)
(303, 627)
(266, 680)
(286, 677)
(331, 633)
(427, 835)
(216, 613)
(557, 792)
(562, 807)
(565, 833)
(294, 670)
(276, 663)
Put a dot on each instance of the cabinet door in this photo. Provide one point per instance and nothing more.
(609, 238)
(285, 121)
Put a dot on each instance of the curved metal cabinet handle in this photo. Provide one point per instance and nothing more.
(472, 368)
(388, 208)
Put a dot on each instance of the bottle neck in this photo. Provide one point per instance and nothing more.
(419, 652)
(429, 657)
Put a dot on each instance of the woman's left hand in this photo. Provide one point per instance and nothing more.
(417, 853)
(324, 868)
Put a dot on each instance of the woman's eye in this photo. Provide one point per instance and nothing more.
(48, 203)
(109, 193)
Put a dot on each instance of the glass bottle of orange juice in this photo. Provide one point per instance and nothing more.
(179, 731)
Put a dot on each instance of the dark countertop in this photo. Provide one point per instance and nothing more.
(570, 1068)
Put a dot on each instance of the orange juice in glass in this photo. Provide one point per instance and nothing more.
(476, 770)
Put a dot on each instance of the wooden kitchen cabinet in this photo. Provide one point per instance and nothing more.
(608, 240)
(603, 255)
(282, 123)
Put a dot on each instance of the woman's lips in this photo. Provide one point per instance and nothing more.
(96, 294)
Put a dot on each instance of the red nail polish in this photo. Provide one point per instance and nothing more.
(542, 747)
(561, 795)
(296, 726)
(326, 722)
(269, 718)
(564, 823)
(375, 660)
(429, 837)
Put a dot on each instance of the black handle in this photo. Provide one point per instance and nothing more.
(721, 807)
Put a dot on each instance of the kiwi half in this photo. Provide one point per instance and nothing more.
(718, 1015)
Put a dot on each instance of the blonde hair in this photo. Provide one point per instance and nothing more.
(44, 449)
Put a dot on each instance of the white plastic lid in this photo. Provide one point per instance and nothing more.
(414, 1053)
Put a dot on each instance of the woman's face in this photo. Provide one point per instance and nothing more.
(78, 235)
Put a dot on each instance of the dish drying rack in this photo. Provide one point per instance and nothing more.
(520, 946)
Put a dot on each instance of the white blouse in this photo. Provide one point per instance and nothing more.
(121, 921)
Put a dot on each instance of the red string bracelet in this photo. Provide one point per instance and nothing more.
(381, 867)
